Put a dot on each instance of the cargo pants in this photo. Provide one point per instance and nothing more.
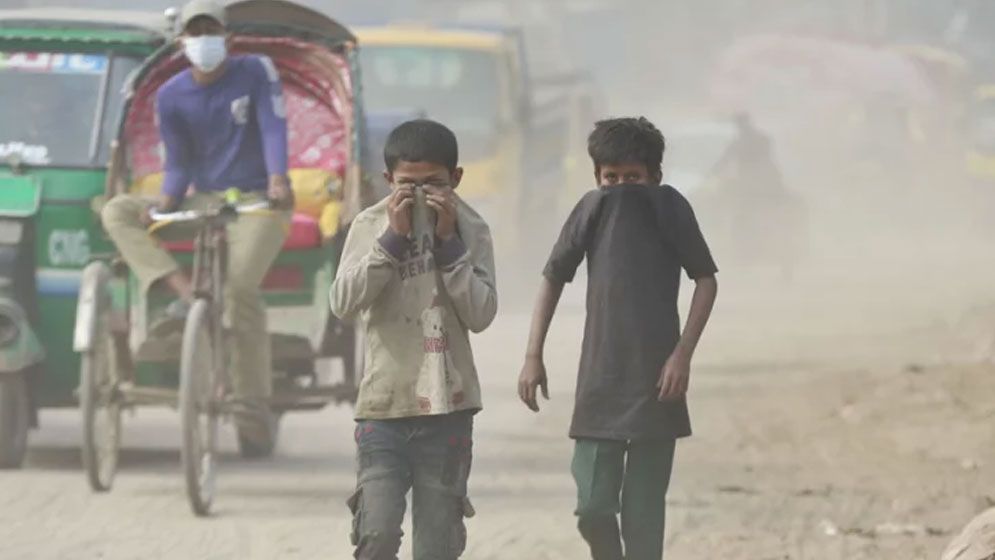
(429, 455)
(254, 241)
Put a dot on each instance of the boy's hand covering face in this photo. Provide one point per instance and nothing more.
(438, 182)
(399, 209)
(443, 201)
(673, 383)
(533, 377)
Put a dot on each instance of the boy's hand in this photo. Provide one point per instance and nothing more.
(533, 376)
(673, 383)
(399, 210)
(443, 201)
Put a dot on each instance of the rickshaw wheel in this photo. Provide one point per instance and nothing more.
(199, 412)
(14, 419)
(99, 403)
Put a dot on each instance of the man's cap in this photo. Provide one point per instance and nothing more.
(197, 8)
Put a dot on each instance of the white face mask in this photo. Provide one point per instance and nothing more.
(206, 52)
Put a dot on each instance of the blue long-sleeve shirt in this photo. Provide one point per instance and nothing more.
(230, 133)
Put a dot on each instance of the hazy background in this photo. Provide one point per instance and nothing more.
(871, 141)
(842, 393)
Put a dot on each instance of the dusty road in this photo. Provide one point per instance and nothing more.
(842, 440)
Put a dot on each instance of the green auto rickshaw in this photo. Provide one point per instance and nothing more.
(61, 76)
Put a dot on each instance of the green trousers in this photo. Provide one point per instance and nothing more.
(254, 241)
(628, 478)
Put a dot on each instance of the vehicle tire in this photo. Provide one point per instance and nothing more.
(99, 403)
(15, 417)
(199, 410)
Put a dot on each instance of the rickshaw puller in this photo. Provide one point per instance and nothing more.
(222, 124)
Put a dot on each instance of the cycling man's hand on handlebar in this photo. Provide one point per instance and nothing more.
(164, 204)
(279, 191)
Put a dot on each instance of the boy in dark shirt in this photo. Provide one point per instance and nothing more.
(630, 404)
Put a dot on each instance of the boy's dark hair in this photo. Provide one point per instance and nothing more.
(626, 140)
(421, 140)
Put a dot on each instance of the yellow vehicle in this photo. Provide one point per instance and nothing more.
(513, 139)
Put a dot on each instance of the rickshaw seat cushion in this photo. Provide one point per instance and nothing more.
(148, 185)
(313, 189)
(304, 234)
(178, 246)
(312, 195)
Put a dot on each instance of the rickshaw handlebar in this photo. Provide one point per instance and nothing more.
(198, 215)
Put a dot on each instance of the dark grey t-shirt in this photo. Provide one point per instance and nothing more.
(636, 240)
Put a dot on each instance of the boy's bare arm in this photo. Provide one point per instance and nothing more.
(676, 372)
(705, 291)
(533, 374)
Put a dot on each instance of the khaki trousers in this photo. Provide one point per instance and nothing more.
(254, 241)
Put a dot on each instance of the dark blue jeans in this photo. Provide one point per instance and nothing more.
(428, 455)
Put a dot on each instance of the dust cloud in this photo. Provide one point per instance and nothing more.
(840, 156)
(878, 223)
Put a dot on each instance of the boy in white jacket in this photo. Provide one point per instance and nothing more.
(418, 271)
